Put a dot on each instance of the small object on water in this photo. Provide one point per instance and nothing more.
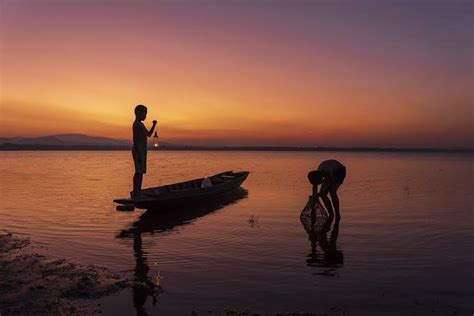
(407, 190)
(253, 221)
(125, 208)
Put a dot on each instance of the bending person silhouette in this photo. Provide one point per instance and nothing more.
(330, 175)
(139, 149)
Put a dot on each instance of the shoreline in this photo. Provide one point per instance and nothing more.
(31, 283)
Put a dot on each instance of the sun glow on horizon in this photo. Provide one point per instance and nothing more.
(239, 74)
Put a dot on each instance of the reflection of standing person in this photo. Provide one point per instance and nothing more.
(139, 149)
(143, 286)
(330, 174)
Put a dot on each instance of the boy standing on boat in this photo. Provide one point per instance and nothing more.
(139, 149)
(330, 174)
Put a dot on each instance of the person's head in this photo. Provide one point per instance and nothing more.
(315, 177)
(140, 112)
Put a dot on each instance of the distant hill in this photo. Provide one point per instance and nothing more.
(69, 142)
(66, 140)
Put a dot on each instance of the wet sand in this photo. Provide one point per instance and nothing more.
(33, 284)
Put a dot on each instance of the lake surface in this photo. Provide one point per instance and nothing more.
(404, 245)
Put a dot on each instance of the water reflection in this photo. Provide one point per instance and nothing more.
(143, 286)
(157, 221)
(317, 226)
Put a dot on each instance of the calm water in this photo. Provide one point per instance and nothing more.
(404, 245)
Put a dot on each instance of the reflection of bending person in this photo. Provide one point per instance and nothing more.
(330, 175)
(317, 228)
(143, 286)
(333, 257)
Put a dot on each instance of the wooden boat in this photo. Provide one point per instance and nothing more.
(189, 192)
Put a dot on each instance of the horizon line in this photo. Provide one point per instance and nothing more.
(168, 145)
(39, 147)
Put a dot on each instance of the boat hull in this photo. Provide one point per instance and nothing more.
(171, 196)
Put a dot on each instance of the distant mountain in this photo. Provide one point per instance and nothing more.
(72, 140)
(66, 140)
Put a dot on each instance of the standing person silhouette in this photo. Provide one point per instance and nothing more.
(330, 175)
(139, 149)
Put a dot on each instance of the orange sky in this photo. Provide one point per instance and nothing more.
(240, 74)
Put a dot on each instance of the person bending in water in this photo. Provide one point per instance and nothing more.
(330, 174)
(139, 149)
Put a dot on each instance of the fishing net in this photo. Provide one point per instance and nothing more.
(313, 217)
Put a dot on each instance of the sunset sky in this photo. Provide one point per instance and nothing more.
(329, 73)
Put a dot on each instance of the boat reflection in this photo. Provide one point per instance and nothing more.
(160, 220)
(155, 222)
(317, 226)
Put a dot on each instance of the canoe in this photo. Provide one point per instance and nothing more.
(200, 190)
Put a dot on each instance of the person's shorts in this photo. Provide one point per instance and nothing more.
(139, 158)
(340, 175)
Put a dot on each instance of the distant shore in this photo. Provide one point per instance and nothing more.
(33, 147)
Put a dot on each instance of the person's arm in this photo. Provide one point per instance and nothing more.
(323, 191)
(149, 133)
(314, 195)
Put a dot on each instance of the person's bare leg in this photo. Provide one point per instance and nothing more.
(328, 205)
(137, 185)
(335, 202)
